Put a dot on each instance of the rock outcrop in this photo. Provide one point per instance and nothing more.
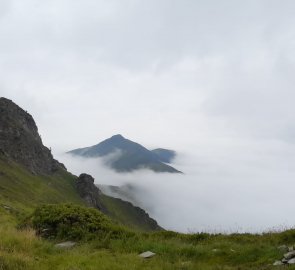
(93, 197)
(20, 141)
(89, 192)
(289, 257)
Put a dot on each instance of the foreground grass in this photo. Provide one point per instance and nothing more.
(22, 249)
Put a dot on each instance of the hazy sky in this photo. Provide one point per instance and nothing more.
(208, 78)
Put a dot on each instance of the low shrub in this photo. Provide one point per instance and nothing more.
(72, 222)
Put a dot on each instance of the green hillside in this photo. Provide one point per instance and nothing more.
(23, 191)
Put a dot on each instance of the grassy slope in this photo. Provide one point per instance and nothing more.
(22, 250)
(126, 214)
(21, 190)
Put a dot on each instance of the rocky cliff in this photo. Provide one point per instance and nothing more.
(20, 141)
(119, 210)
(89, 192)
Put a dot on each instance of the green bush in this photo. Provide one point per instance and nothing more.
(69, 221)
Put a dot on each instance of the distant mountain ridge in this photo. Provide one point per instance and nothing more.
(132, 156)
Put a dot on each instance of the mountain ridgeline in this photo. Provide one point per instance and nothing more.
(29, 175)
(126, 156)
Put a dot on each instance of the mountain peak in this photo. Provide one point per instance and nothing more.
(117, 137)
(133, 156)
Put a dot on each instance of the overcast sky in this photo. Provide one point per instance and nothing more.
(213, 78)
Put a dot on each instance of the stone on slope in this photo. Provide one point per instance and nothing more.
(65, 245)
(147, 254)
(292, 261)
(276, 263)
(289, 255)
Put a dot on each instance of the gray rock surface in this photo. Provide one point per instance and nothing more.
(20, 141)
(147, 254)
(277, 263)
(89, 192)
(289, 255)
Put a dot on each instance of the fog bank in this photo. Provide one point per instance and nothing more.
(228, 186)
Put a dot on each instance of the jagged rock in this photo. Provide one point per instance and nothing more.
(292, 261)
(147, 254)
(65, 245)
(284, 260)
(291, 248)
(289, 255)
(20, 141)
(277, 263)
(88, 191)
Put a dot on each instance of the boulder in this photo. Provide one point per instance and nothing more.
(292, 261)
(277, 263)
(289, 255)
(147, 254)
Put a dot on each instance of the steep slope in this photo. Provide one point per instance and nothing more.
(22, 190)
(128, 155)
(119, 210)
(21, 142)
(29, 175)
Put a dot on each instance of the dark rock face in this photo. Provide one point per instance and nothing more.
(21, 142)
(89, 192)
(92, 195)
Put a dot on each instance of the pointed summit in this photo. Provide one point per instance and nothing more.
(118, 136)
(132, 156)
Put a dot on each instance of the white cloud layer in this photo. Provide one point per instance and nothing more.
(225, 188)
